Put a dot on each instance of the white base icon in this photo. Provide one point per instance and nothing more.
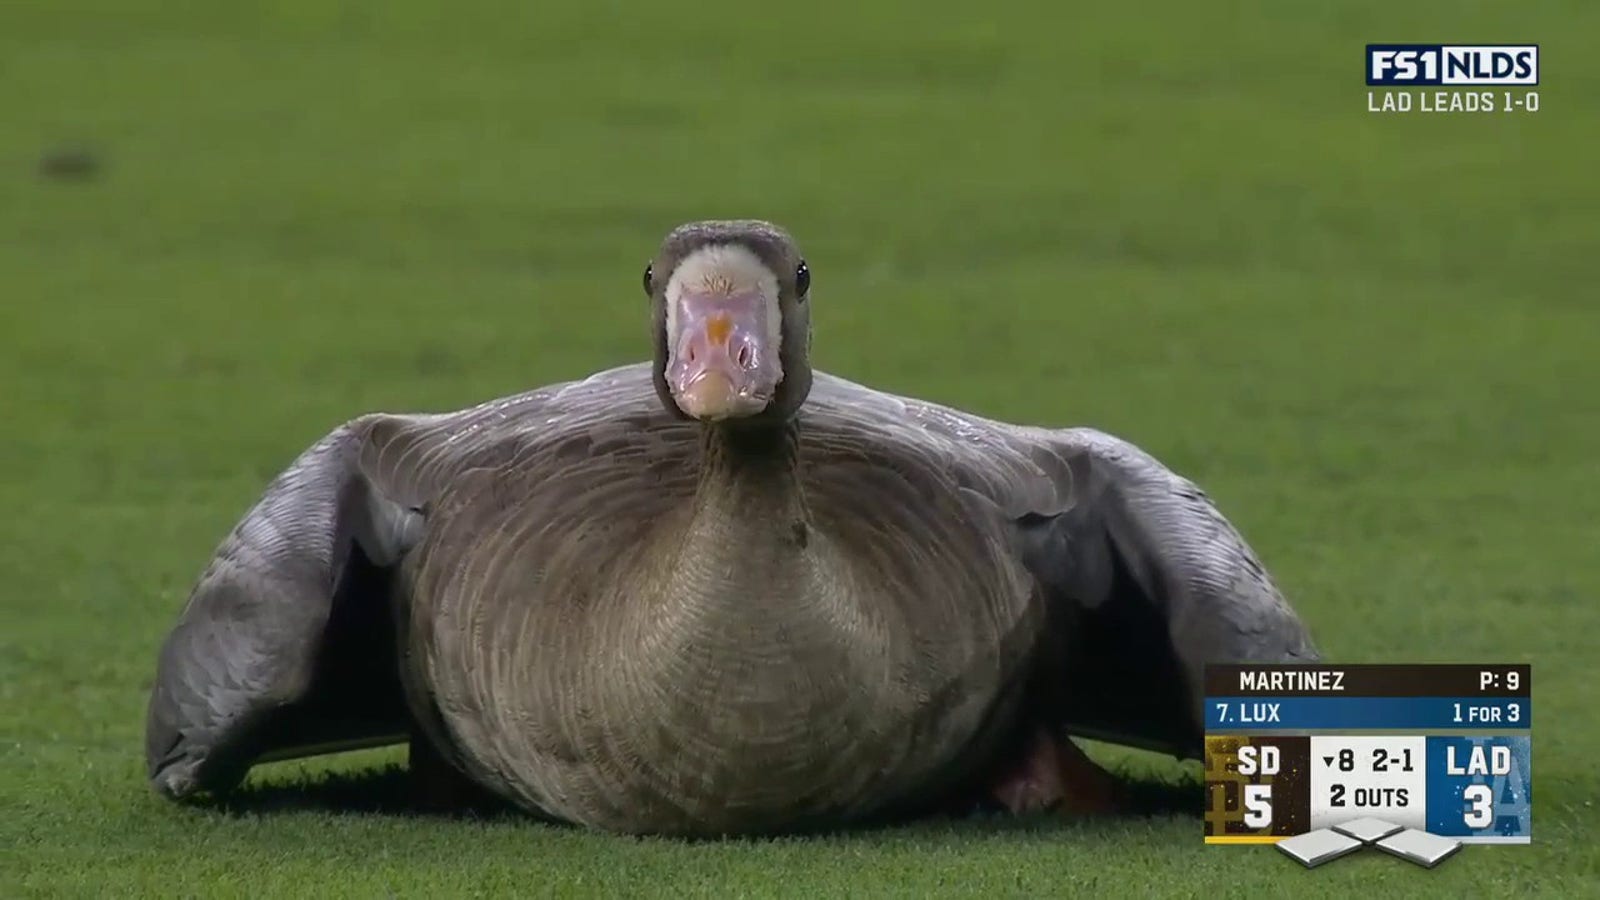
(1314, 848)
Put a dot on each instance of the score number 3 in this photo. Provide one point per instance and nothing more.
(1257, 798)
(1480, 806)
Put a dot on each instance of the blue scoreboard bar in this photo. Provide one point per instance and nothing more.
(1295, 750)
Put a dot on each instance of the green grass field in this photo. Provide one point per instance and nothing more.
(1374, 339)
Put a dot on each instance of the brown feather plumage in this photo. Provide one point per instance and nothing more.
(615, 616)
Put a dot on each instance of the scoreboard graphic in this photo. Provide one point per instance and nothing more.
(1442, 749)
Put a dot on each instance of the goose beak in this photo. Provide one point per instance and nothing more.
(721, 366)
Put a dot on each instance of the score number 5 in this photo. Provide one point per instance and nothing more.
(1262, 760)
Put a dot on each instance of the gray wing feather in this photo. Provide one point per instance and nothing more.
(249, 641)
(1151, 579)
(289, 632)
(1138, 534)
(246, 640)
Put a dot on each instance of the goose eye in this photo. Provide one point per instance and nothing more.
(649, 280)
(802, 279)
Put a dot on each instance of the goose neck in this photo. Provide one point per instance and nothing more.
(751, 471)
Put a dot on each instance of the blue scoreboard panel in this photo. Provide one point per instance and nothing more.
(1291, 749)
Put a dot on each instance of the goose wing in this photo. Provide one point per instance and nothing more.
(1146, 580)
(287, 645)
(1157, 582)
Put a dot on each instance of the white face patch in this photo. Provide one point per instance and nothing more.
(725, 270)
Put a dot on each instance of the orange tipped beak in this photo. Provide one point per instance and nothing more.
(719, 365)
(718, 328)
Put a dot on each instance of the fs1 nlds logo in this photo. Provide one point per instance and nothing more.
(1449, 70)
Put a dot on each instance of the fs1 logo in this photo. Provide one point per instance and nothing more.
(1427, 65)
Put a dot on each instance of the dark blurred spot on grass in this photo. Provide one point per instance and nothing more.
(70, 162)
(436, 359)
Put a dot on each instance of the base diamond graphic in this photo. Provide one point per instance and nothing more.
(1420, 847)
(1368, 830)
(1314, 848)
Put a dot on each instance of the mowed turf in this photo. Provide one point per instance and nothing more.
(1372, 338)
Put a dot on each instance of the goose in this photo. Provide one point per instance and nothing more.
(716, 593)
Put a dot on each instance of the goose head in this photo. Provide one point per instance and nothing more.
(732, 325)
